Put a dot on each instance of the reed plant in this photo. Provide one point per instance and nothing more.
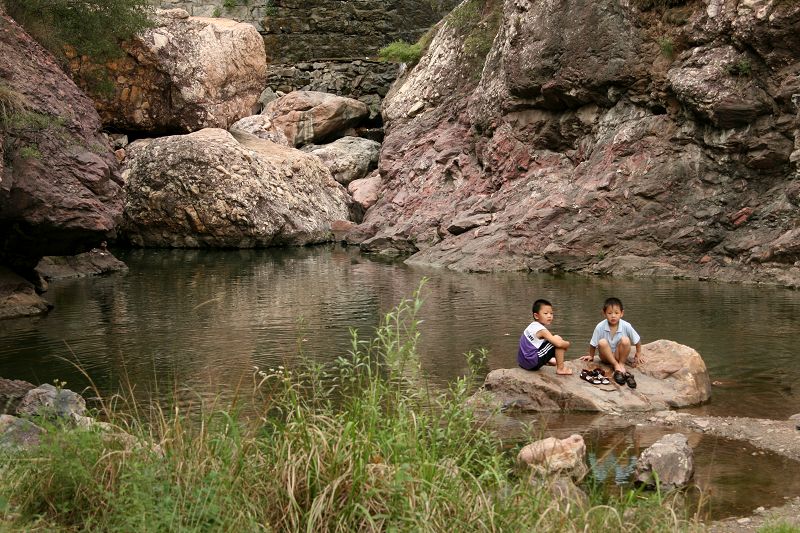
(360, 444)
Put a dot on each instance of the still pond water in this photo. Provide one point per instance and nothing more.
(204, 319)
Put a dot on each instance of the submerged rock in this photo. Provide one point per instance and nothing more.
(673, 375)
(668, 463)
(552, 456)
(92, 263)
(18, 297)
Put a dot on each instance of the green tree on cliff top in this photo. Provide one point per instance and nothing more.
(92, 27)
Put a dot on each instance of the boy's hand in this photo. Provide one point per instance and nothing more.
(587, 357)
(638, 359)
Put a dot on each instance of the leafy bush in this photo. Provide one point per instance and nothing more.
(667, 47)
(740, 68)
(478, 21)
(92, 27)
(401, 52)
(11, 103)
(30, 152)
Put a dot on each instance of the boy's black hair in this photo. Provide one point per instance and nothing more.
(538, 304)
(610, 302)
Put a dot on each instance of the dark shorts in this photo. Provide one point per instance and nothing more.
(546, 352)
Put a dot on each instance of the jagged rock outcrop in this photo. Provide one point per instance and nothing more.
(209, 189)
(673, 375)
(185, 74)
(600, 137)
(60, 187)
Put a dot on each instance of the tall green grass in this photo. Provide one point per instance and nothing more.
(361, 444)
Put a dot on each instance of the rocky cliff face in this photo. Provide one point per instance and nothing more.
(634, 137)
(59, 181)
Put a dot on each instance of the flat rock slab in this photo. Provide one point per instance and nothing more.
(673, 375)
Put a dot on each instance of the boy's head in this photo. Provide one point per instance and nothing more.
(542, 312)
(611, 302)
(613, 310)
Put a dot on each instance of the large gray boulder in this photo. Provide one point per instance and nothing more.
(673, 375)
(348, 158)
(185, 74)
(208, 189)
(52, 402)
(313, 117)
(262, 127)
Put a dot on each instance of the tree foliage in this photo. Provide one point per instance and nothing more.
(92, 27)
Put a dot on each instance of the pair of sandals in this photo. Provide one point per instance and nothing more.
(624, 378)
(595, 377)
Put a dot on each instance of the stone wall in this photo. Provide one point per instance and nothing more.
(302, 30)
(367, 81)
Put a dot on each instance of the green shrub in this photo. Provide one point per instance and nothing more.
(11, 103)
(478, 21)
(401, 52)
(30, 151)
(667, 47)
(92, 27)
(740, 68)
(228, 4)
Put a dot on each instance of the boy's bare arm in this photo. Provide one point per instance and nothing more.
(555, 340)
(638, 358)
(590, 356)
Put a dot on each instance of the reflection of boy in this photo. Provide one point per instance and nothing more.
(537, 346)
(613, 338)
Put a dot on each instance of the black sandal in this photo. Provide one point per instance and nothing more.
(619, 377)
(629, 380)
(600, 376)
(589, 376)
